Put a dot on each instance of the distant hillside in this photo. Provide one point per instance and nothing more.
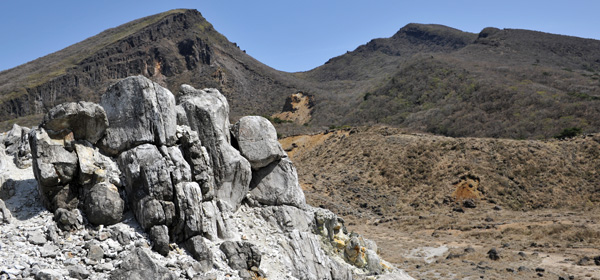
(389, 172)
(499, 83)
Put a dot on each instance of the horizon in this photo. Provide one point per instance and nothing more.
(290, 37)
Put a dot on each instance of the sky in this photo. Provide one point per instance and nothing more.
(286, 35)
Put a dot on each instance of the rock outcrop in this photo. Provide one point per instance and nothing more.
(233, 203)
(16, 143)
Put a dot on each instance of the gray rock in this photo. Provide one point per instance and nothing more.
(188, 201)
(103, 205)
(257, 141)
(121, 236)
(49, 250)
(94, 167)
(277, 184)
(37, 238)
(78, 272)
(373, 262)
(307, 259)
(241, 255)
(146, 173)
(48, 274)
(139, 111)
(159, 235)
(5, 215)
(86, 120)
(197, 247)
(68, 219)
(288, 218)
(215, 220)
(139, 265)
(54, 167)
(52, 233)
(180, 169)
(95, 253)
(199, 160)
(16, 144)
(207, 113)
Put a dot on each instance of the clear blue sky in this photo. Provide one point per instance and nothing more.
(286, 35)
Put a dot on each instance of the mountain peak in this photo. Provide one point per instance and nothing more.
(436, 34)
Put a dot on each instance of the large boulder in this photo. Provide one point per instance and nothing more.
(197, 247)
(103, 204)
(54, 168)
(277, 184)
(86, 120)
(207, 113)
(257, 141)
(139, 111)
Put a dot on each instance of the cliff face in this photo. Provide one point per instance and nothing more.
(169, 48)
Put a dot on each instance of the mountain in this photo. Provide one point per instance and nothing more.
(171, 48)
(499, 83)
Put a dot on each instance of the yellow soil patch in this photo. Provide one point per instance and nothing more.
(301, 109)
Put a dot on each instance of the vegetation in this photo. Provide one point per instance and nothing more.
(569, 133)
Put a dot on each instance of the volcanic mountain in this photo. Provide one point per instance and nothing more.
(499, 83)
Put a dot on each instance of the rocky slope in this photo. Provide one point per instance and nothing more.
(143, 170)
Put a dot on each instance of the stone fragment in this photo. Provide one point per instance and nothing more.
(277, 184)
(37, 238)
(257, 141)
(86, 120)
(68, 219)
(78, 272)
(493, 254)
(5, 215)
(49, 250)
(139, 111)
(197, 247)
(48, 274)
(95, 253)
(16, 144)
(159, 235)
(139, 265)
(103, 205)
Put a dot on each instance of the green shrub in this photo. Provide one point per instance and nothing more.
(568, 133)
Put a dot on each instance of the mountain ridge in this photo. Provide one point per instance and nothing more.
(507, 83)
